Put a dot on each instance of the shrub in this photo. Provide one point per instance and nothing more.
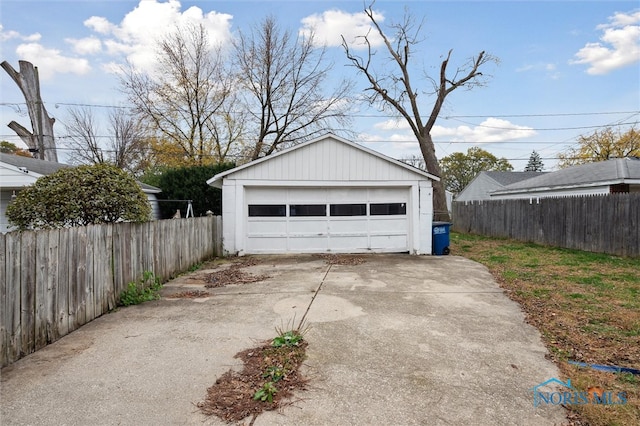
(78, 196)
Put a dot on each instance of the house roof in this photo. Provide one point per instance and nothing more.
(486, 182)
(609, 172)
(44, 168)
(32, 164)
(217, 179)
(509, 178)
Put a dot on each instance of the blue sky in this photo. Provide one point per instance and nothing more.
(566, 67)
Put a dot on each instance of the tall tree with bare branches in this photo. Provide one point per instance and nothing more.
(122, 144)
(187, 102)
(395, 91)
(284, 78)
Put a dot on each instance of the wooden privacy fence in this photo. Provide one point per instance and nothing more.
(605, 223)
(54, 281)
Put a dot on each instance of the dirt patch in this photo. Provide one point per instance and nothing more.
(234, 274)
(231, 398)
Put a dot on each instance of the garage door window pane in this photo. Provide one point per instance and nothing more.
(387, 209)
(267, 210)
(348, 210)
(307, 210)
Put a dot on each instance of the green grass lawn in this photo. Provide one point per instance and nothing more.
(586, 306)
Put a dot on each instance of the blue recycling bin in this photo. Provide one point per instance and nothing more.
(440, 238)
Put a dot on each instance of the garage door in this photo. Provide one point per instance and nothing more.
(315, 220)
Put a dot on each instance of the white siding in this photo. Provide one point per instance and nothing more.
(12, 177)
(572, 192)
(479, 189)
(5, 199)
(326, 160)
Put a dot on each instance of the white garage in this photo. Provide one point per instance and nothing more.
(328, 195)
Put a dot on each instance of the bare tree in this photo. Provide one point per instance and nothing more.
(395, 91)
(186, 102)
(41, 140)
(125, 145)
(284, 77)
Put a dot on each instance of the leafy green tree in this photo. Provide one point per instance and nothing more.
(459, 169)
(187, 183)
(535, 163)
(602, 145)
(7, 147)
(78, 196)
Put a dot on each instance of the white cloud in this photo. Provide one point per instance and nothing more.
(99, 24)
(619, 45)
(51, 61)
(330, 26)
(392, 124)
(10, 34)
(137, 35)
(85, 46)
(549, 69)
(490, 130)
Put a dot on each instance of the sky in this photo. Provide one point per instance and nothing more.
(566, 68)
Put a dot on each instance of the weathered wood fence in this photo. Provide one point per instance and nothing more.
(52, 282)
(605, 224)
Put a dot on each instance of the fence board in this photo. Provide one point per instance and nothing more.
(52, 286)
(4, 311)
(605, 224)
(64, 255)
(41, 303)
(13, 314)
(89, 275)
(27, 292)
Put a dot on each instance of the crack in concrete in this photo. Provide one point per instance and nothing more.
(304, 317)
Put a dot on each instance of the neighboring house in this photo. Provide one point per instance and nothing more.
(17, 172)
(481, 187)
(603, 177)
(326, 195)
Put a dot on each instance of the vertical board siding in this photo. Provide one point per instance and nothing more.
(54, 281)
(598, 223)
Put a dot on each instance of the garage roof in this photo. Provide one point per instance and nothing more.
(329, 157)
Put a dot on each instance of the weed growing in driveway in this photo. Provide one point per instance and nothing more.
(288, 338)
(586, 306)
(268, 379)
(143, 290)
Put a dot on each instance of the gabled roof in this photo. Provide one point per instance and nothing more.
(508, 178)
(44, 168)
(301, 148)
(486, 182)
(41, 167)
(609, 172)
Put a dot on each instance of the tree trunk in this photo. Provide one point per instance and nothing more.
(41, 139)
(440, 209)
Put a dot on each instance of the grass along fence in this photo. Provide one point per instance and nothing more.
(602, 224)
(54, 281)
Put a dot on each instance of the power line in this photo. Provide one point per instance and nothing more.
(379, 115)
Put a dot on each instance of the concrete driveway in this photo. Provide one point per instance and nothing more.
(398, 339)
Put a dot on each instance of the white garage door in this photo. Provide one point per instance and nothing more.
(314, 220)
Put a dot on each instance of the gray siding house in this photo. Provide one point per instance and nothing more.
(485, 183)
(602, 177)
